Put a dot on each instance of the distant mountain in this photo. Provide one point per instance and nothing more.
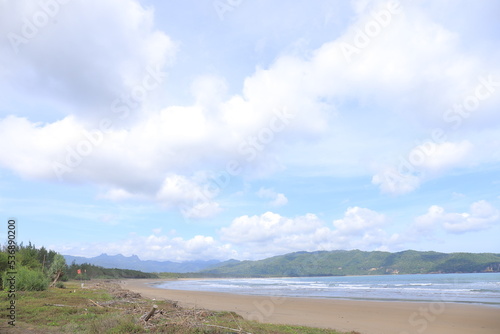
(356, 262)
(323, 263)
(133, 262)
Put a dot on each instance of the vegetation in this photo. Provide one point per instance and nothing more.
(356, 262)
(28, 280)
(37, 268)
(89, 271)
(103, 307)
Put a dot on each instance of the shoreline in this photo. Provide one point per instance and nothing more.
(160, 281)
(366, 317)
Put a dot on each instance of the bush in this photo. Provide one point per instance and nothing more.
(27, 280)
(60, 285)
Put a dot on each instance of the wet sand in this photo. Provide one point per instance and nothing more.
(366, 317)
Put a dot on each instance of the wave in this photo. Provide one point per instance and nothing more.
(473, 288)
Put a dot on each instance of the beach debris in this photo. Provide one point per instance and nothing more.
(233, 329)
(150, 313)
(58, 305)
(93, 302)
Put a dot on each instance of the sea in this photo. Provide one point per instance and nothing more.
(480, 288)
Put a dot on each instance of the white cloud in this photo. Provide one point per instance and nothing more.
(444, 156)
(151, 156)
(156, 247)
(391, 181)
(423, 162)
(271, 234)
(116, 195)
(482, 216)
(267, 226)
(358, 220)
(114, 42)
(430, 220)
(194, 200)
(280, 200)
(277, 199)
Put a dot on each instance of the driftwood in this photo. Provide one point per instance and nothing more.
(93, 302)
(233, 329)
(150, 313)
(59, 305)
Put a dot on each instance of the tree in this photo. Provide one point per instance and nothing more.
(27, 256)
(57, 268)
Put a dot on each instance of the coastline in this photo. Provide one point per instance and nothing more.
(366, 317)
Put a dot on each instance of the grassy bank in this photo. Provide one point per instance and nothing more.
(103, 307)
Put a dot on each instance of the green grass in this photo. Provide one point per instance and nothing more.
(71, 310)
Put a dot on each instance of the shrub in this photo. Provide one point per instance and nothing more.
(27, 280)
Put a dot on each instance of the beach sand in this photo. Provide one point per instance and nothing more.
(366, 317)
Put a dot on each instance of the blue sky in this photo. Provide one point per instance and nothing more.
(185, 130)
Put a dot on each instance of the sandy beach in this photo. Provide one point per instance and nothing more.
(366, 317)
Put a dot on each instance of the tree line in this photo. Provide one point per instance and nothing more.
(35, 269)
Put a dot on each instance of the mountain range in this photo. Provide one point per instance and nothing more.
(356, 262)
(321, 263)
(135, 263)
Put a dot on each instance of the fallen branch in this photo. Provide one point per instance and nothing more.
(58, 305)
(93, 302)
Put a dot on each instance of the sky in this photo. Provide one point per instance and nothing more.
(218, 129)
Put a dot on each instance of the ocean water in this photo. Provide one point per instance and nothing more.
(481, 288)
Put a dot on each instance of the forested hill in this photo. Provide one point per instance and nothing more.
(355, 262)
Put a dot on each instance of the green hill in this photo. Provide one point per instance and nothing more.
(356, 262)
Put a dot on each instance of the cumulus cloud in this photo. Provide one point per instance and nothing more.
(270, 233)
(80, 66)
(423, 162)
(277, 199)
(358, 220)
(157, 247)
(195, 201)
(154, 156)
(482, 216)
(391, 181)
(446, 155)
